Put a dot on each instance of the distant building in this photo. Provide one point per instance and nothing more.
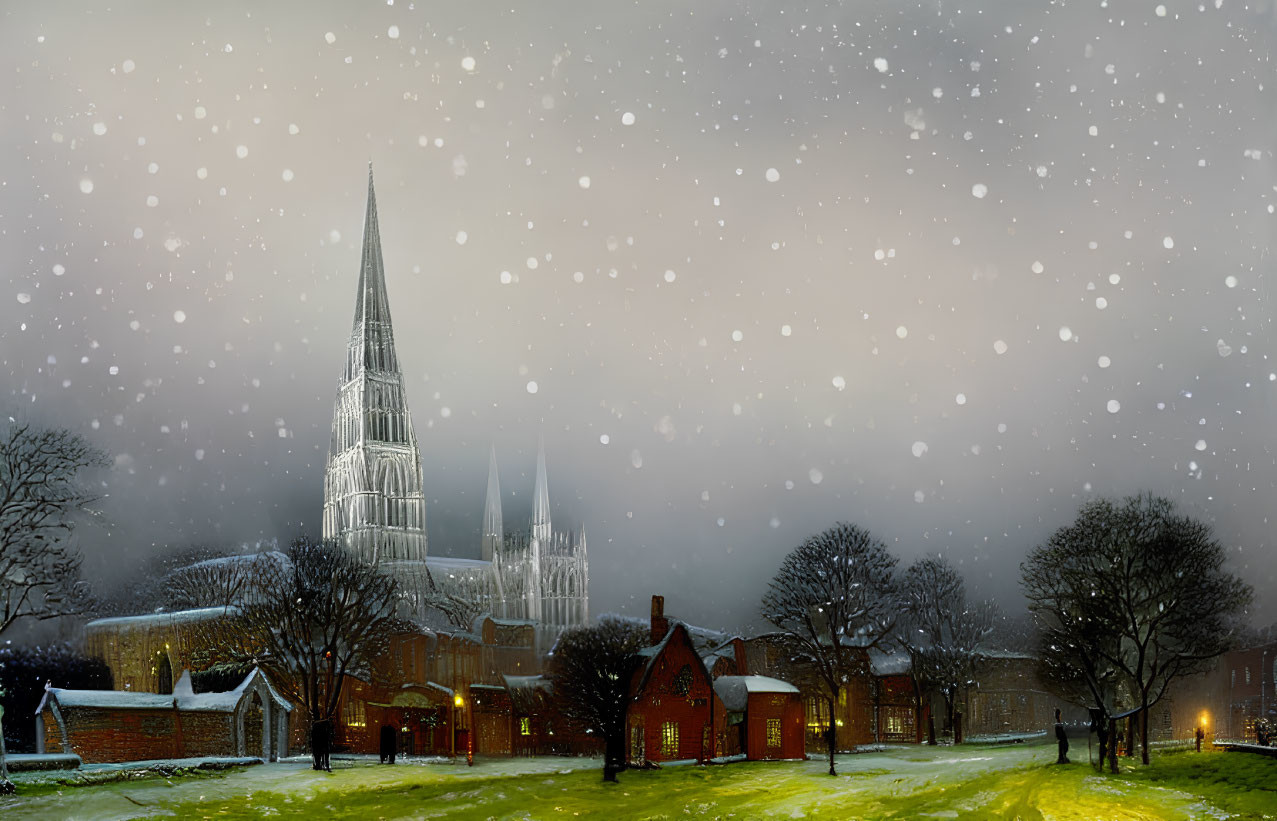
(144, 651)
(373, 498)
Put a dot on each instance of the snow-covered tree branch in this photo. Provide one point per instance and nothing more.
(834, 599)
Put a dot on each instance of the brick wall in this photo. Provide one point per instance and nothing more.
(100, 735)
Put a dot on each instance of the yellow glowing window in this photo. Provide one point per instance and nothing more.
(525, 726)
(669, 739)
(354, 714)
(773, 732)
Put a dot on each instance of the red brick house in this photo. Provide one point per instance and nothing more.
(760, 717)
(111, 725)
(670, 713)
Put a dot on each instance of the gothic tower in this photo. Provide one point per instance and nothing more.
(493, 529)
(373, 500)
(541, 499)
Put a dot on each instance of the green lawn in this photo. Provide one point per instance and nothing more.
(972, 781)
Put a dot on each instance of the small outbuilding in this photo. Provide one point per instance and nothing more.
(104, 726)
(762, 717)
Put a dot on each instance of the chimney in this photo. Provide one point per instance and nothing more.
(660, 624)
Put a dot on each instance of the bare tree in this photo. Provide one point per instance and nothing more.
(943, 631)
(1144, 589)
(591, 669)
(219, 582)
(459, 610)
(321, 615)
(41, 499)
(834, 600)
(1075, 645)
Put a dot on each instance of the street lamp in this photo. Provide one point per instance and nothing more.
(457, 703)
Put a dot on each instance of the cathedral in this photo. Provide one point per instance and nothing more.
(374, 504)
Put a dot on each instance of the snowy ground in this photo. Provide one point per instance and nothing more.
(970, 781)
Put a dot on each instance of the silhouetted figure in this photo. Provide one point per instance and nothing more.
(1061, 739)
(1200, 735)
(388, 744)
(321, 744)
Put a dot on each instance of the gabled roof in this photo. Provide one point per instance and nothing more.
(652, 653)
(734, 691)
(183, 697)
(704, 639)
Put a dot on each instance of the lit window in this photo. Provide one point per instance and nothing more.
(525, 726)
(669, 739)
(354, 715)
(773, 732)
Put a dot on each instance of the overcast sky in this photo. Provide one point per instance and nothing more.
(946, 270)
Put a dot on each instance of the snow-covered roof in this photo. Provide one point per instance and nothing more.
(247, 558)
(994, 653)
(653, 652)
(109, 699)
(183, 697)
(734, 691)
(704, 639)
(528, 683)
(157, 619)
(452, 563)
(889, 664)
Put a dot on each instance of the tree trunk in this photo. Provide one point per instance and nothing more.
(917, 712)
(1144, 730)
(832, 737)
(613, 756)
(1112, 746)
(5, 786)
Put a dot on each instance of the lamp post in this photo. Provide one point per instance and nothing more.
(457, 703)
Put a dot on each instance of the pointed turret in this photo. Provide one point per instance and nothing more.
(541, 499)
(493, 529)
(373, 499)
(372, 339)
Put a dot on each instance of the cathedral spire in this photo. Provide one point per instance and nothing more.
(541, 499)
(372, 342)
(373, 499)
(493, 530)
